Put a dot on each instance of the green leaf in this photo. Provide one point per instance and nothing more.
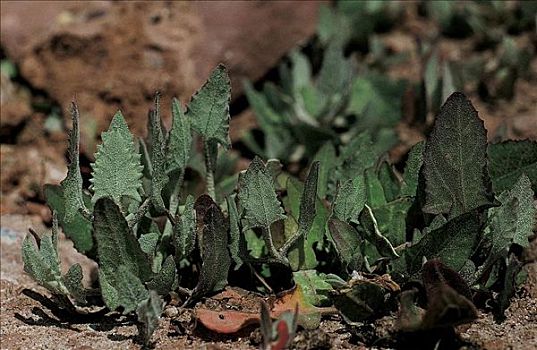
(350, 199)
(149, 312)
(159, 177)
(148, 242)
(180, 139)
(455, 164)
(391, 218)
(347, 242)
(165, 279)
(184, 231)
(335, 76)
(121, 288)
(512, 222)
(117, 245)
(303, 235)
(208, 109)
(326, 156)
(508, 160)
(412, 170)
(512, 269)
(356, 156)
(308, 199)
(237, 243)
(372, 233)
(117, 171)
(314, 287)
(72, 184)
(73, 282)
(78, 229)
(214, 250)
(43, 264)
(377, 99)
(453, 243)
(373, 189)
(258, 197)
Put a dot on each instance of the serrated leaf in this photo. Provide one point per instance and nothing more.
(149, 312)
(347, 242)
(258, 197)
(455, 165)
(43, 264)
(350, 199)
(117, 245)
(72, 184)
(512, 222)
(412, 170)
(117, 171)
(508, 160)
(78, 229)
(208, 109)
(215, 254)
(165, 279)
(159, 176)
(453, 243)
(389, 181)
(180, 139)
(184, 231)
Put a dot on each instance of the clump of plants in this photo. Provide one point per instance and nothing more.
(356, 237)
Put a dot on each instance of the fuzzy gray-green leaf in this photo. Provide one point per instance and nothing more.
(79, 228)
(347, 242)
(209, 108)
(149, 312)
(179, 140)
(73, 282)
(72, 184)
(455, 164)
(258, 197)
(412, 170)
(121, 288)
(237, 243)
(453, 243)
(117, 246)
(508, 160)
(184, 231)
(117, 171)
(513, 221)
(165, 279)
(350, 199)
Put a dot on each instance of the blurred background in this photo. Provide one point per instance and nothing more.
(301, 72)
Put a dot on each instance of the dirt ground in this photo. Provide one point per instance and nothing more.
(115, 55)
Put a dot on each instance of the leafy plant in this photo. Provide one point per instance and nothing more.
(152, 234)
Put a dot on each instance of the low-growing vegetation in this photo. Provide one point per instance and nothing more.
(165, 218)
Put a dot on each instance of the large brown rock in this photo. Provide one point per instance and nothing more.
(117, 54)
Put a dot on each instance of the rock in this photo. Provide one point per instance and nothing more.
(114, 55)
